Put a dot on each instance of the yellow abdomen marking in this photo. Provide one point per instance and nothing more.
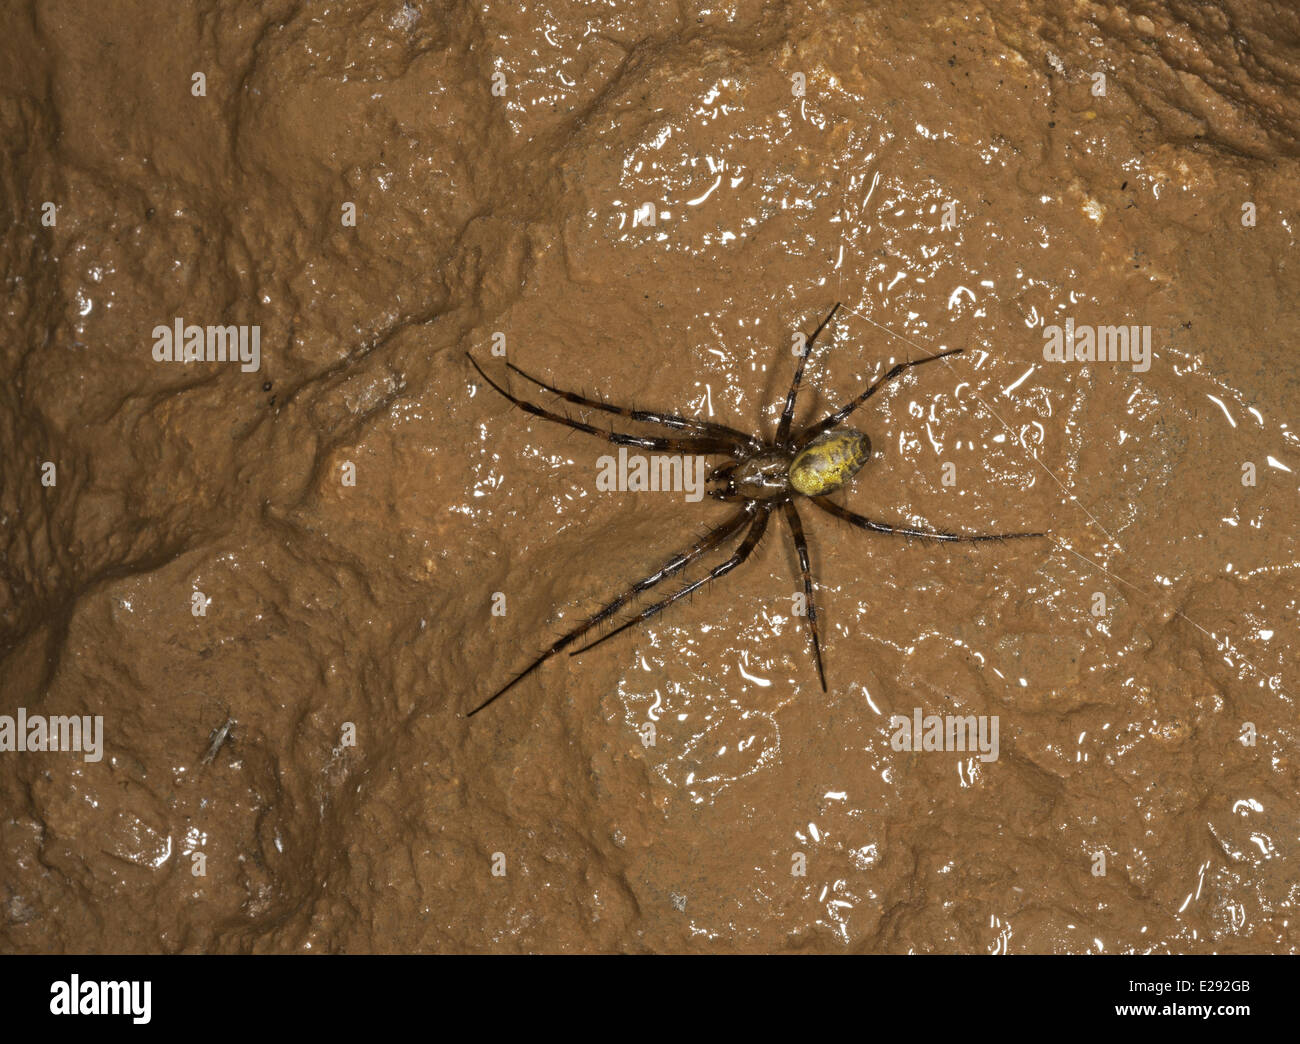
(829, 461)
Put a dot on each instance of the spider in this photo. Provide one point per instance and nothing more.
(761, 476)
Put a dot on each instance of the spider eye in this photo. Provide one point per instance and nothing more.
(720, 484)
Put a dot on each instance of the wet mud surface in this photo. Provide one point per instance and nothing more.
(379, 542)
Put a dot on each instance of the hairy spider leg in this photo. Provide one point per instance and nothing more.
(836, 418)
(668, 420)
(801, 548)
(746, 548)
(787, 415)
(674, 565)
(697, 444)
(862, 522)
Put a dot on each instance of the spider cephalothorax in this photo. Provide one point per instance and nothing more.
(761, 475)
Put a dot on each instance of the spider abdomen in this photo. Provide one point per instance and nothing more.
(829, 461)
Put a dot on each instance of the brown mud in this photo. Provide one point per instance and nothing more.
(1125, 811)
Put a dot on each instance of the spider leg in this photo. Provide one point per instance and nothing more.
(674, 565)
(668, 420)
(746, 548)
(801, 547)
(838, 416)
(787, 415)
(862, 522)
(697, 444)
